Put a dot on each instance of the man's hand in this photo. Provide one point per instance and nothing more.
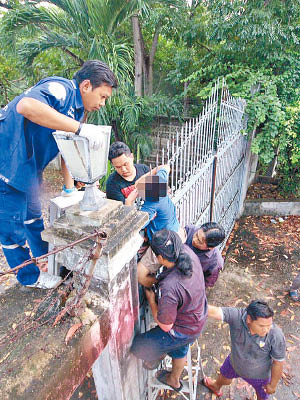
(270, 389)
(131, 197)
(94, 135)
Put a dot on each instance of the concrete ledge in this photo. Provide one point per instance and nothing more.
(39, 365)
(271, 207)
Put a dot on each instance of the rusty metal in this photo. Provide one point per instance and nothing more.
(47, 309)
(94, 256)
(35, 260)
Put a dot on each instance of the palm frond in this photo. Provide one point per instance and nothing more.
(48, 41)
(108, 15)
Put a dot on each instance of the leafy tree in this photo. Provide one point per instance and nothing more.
(256, 44)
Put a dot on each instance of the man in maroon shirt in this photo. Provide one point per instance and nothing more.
(203, 241)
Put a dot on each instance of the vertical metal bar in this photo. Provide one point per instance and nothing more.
(213, 186)
(185, 151)
(194, 167)
(180, 161)
(189, 139)
(206, 129)
(174, 170)
(177, 155)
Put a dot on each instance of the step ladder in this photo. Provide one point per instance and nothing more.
(192, 368)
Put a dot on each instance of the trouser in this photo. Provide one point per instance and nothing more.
(21, 225)
(296, 283)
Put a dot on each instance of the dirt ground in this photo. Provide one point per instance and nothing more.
(268, 191)
(262, 258)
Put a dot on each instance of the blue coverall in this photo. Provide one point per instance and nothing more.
(25, 150)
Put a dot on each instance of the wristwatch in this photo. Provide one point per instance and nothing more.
(79, 129)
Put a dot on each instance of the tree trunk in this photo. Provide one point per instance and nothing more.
(185, 100)
(151, 59)
(138, 55)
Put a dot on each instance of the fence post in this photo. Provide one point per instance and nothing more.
(213, 187)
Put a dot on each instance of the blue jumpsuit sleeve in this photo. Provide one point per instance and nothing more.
(53, 93)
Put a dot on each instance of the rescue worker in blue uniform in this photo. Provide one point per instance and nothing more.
(27, 146)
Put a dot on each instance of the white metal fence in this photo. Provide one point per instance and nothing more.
(207, 161)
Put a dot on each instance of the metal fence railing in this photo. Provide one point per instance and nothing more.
(207, 156)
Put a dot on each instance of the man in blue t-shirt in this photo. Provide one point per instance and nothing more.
(153, 188)
(26, 126)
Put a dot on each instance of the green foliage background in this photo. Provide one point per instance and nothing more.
(252, 44)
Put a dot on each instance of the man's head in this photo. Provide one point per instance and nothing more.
(208, 236)
(152, 187)
(95, 81)
(259, 317)
(122, 159)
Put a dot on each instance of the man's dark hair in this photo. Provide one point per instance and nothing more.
(97, 72)
(214, 234)
(259, 309)
(117, 149)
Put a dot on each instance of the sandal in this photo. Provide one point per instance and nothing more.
(207, 382)
(294, 295)
(162, 378)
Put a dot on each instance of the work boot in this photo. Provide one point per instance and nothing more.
(46, 281)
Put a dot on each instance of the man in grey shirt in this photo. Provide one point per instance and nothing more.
(257, 348)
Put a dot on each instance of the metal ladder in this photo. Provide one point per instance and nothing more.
(189, 389)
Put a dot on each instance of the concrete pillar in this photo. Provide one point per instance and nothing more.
(117, 373)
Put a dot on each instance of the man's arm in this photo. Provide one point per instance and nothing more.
(276, 374)
(154, 171)
(215, 313)
(44, 115)
(154, 308)
(145, 278)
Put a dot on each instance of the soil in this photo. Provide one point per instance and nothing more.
(262, 259)
(268, 191)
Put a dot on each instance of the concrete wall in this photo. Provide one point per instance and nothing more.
(271, 207)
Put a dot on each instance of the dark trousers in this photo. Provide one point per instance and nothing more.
(21, 225)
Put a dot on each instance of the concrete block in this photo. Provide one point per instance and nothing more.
(271, 207)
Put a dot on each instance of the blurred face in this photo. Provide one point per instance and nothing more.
(199, 240)
(93, 99)
(151, 187)
(259, 326)
(124, 166)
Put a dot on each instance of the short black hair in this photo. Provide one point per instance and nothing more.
(97, 72)
(117, 149)
(214, 233)
(259, 309)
